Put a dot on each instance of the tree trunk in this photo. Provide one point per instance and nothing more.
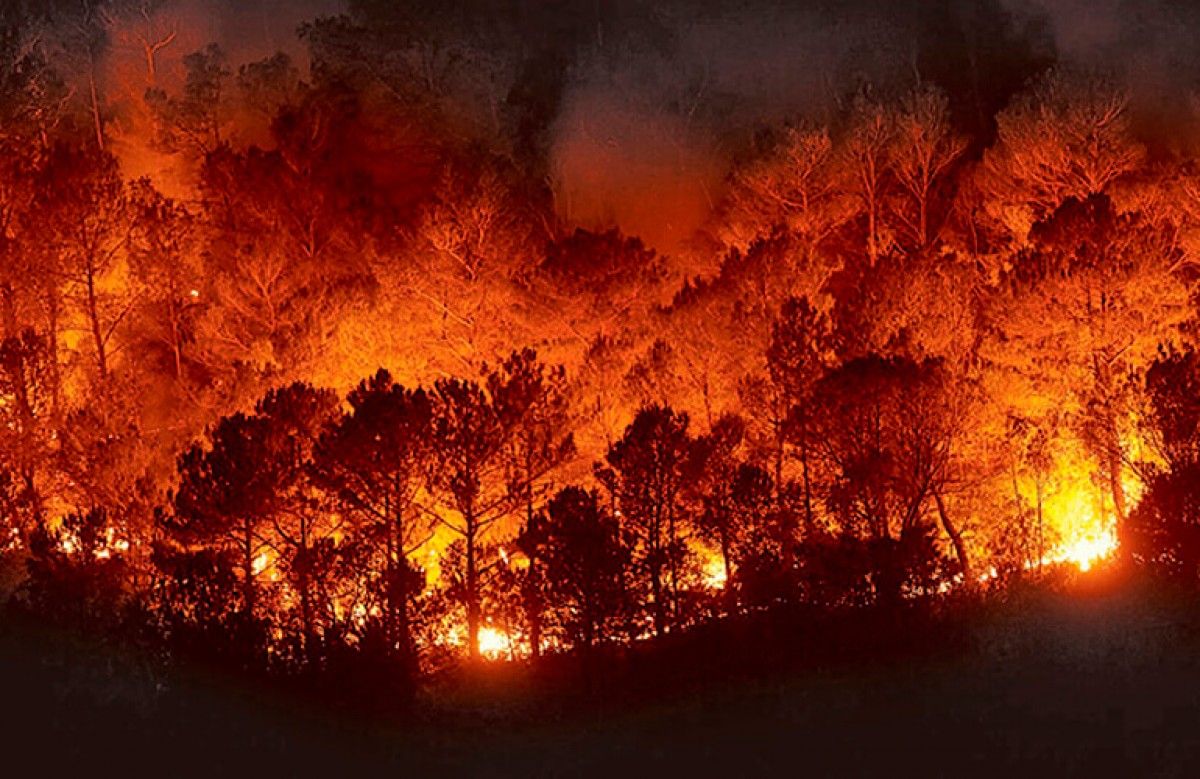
(534, 607)
(1041, 536)
(872, 241)
(472, 594)
(730, 593)
(94, 320)
(52, 306)
(1118, 489)
(248, 594)
(960, 548)
(779, 452)
(306, 607)
(923, 218)
(533, 601)
(673, 570)
(8, 295)
(400, 627)
(656, 580)
(306, 617)
(809, 524)
(403, 626)
(535, 635)
(176, 342)
(97, 122)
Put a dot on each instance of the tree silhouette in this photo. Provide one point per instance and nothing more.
(85, 207)
(712, 481)
(645, 472)
(303, 537)
(195, 123)
(226, 497)
(923, 148)
(531, 401)
(377, 460)
(27, 385)
(1089, 302)
(166, 265)
(77, 577)
(1163, 531)
(794, 185)
(799, 353)
(585, 562)
(1068, 137)
(887, 439)
(470, 437)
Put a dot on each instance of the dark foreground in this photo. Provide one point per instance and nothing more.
(1098, 681)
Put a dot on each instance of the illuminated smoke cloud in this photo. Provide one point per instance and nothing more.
(647, 132)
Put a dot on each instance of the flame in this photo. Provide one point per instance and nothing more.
(1080, 526)
(1086, 551)
(493, 644)
(1086, 536)
(1090, 536)
(1087, 533)
(714, 574)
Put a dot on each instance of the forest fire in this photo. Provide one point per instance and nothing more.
(1088, 537)
(715, 575)
(1086, 552)
(426, 341)
(493, 644)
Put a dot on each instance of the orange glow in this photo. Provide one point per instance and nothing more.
(1085, 551)
(763, 296)
(1086, 527)
(714, 574)
(493, 644)
(265, 562)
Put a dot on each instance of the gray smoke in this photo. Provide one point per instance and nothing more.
(1150, 45)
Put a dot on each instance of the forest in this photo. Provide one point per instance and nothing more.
(506, 332)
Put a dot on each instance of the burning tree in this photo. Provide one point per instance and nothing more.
(887, 433)
(85, 205)
(377, 460)
(644, 474)
(495, 444)
(585, 561)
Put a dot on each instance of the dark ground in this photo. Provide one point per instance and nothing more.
(1098, 681)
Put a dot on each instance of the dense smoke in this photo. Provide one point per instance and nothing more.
(1149, 45)
(651, 102)
(245, 31)
(644, 126)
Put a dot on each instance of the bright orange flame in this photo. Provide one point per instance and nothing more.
(1086, 551)
(1080, 531)
(265, 562)
(492, 643)
(1087, 536)
(714, 574)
